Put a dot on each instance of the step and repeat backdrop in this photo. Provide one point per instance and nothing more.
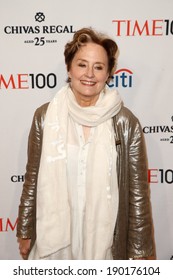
(32, 38)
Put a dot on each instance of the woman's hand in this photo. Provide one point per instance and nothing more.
(24, 247)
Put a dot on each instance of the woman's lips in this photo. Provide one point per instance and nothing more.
(88, 83)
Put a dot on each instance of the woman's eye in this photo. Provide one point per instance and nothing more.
(98, 67)
(81, 65)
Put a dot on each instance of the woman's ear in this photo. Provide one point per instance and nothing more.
(108, 78)
(69, 75)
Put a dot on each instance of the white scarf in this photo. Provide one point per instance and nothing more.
(53, 210)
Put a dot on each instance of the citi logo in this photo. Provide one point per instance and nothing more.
(121, 78)
(7, 225)
(153, 27)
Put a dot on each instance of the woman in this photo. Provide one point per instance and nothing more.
(85, 194)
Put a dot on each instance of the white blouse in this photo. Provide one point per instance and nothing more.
(77, 151)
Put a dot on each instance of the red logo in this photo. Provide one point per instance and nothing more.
(7, 225)
(155, 27)
(26, 81)
(156, 176)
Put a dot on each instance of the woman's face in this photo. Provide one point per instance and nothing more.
(88, 73)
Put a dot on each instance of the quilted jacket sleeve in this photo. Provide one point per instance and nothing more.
(140, 243)
(27, 207)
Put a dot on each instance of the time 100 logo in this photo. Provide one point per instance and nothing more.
(27, 81)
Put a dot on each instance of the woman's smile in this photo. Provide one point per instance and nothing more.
(88, 83)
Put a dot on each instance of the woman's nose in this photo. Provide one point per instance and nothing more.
(90, 72)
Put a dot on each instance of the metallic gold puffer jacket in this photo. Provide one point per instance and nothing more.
(133, 231)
